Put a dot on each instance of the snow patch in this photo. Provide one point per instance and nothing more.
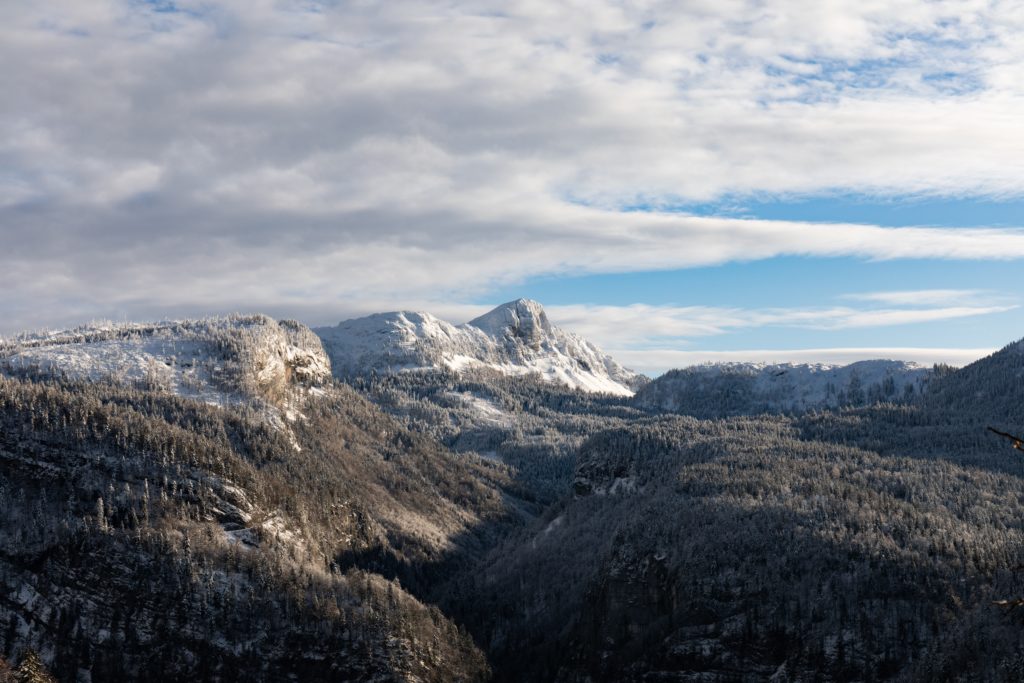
(485, 410)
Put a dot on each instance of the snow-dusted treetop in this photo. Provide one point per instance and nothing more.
(515, 338)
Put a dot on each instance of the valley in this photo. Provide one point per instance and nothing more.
(401, 499)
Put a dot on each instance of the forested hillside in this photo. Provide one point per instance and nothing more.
(245, 519)
(739, 550)
(151, 536)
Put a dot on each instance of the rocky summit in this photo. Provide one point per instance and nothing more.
(515, 338)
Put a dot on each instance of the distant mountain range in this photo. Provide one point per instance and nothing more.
(224, 359)
(716, 390)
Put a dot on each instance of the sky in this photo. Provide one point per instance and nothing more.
(680, 182)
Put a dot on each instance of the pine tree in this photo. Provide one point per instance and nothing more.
(32, 670)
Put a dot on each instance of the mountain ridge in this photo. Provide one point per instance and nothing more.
(515, 338)
(717, 389)
(220, 360)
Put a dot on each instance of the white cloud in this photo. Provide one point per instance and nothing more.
(319, 156)
(644, 326)
(930, 297)
(653, 339)
(654, 362)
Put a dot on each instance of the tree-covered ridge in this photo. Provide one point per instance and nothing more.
(149, 536)
(742, 551)
(728, 389)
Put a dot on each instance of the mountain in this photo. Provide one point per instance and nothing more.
(990, 389)
(218, 360)
(199, 500)
(515, 338)
(723, 389)
(949, 420)
(202, 500)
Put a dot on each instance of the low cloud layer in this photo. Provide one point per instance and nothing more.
(653, 339)
(313, 159)
(654, 362)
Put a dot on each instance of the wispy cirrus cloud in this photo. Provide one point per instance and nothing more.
(654, 339)
(932, 297)
(645, 326)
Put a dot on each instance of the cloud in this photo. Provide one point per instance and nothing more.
(929, 297)
(654, 362)
(317, 156)
(126, 260)
(645, 326)
(654, 339)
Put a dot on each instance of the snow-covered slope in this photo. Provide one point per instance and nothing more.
(219, 360)
(515, 339)
(720, 389)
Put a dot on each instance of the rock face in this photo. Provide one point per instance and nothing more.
(219, 360)
(724, 389)
(519, 322)
(514, 339)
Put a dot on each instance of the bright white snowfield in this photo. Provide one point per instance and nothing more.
(515, 338)
(217, 360)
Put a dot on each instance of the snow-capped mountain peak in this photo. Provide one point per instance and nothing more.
(516, 338)
(522, 319)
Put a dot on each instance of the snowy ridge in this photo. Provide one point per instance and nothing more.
(715, 389)
(218, 360)
(514, 339)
